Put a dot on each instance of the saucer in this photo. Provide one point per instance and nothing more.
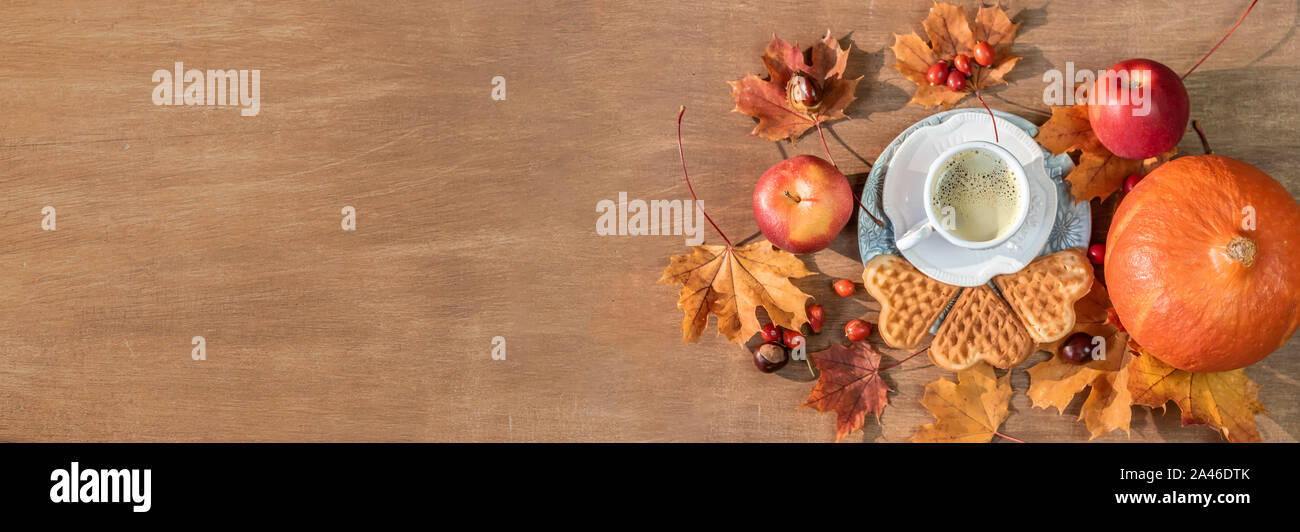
(904, 183)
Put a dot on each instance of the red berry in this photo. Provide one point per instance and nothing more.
(857, 330)
(938, 73)
(770, 333)
(791, 338)
(984, 54)
(1130, 182)
(770, 357)
(816, 317)
(1097, 254)
(956, 80)
(962, 63)
(844, 287)
(1077, 349)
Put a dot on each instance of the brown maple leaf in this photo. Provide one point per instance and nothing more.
(767, 100)
(951, 34)
(731, 283)
(850, 385)
(969, 411)
(1099, 172)
(1226, 401)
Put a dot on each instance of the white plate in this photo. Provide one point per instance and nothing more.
(903, 204)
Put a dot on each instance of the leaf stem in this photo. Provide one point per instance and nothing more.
(856, 199)
(1005, 437)
(682, 154)
(991, 117)
(1225, 37)
(909, 357)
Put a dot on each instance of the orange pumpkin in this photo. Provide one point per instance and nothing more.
(1189, 277)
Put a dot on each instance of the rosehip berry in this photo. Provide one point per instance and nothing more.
(956, 81)
(816, 317)
(770, 357)
(1130, 182)
(770, 333)
(791, 338)
(984, 53)
(844, 287)
(857, 330)
(1097, 253)
(1077, 349)
(938, 73)
(962, 63)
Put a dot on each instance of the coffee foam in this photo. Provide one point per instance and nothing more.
(983, 192)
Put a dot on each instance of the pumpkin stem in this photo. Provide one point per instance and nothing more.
(1242, 250)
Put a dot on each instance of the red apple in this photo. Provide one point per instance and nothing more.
(801, 203)
(1129, 127)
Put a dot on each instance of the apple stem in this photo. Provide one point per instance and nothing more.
(991, 117)
(900, 362)
(1005, 437)
(1225, 37)
(857, 200)
(796, 199)
(682, 154)
(1196, 124)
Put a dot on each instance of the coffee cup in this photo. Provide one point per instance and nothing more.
(976, 196)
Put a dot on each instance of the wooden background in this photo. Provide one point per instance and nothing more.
(476, 217)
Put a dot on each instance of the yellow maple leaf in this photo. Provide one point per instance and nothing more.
(1226, 401)
(968, 411)
(731, 283)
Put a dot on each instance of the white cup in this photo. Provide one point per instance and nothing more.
(932, 222)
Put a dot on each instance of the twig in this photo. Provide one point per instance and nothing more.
(1225, 37)
(1196, 124)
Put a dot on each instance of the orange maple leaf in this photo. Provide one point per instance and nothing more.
(1099, 172)
(850, 385)
(969, 411)
(1054, 382)
(768, 101)
(951, 34)
(731, 283)
(1226, 401)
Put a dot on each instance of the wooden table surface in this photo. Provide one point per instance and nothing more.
(476, 217)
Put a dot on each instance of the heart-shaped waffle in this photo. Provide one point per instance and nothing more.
(909, 300)
(980, 326)
(1044, 292)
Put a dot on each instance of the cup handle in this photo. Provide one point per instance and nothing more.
(914, 235)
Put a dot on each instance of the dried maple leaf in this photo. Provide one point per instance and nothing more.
(850, 385)
(1054, 383)
(951, 34)
(767, 100)
(969, 411)
(731, 283)
(1226, 401)
(1099, 172)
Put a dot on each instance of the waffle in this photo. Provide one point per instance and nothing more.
(980, 327)
(910, 300)
(1044, 292)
